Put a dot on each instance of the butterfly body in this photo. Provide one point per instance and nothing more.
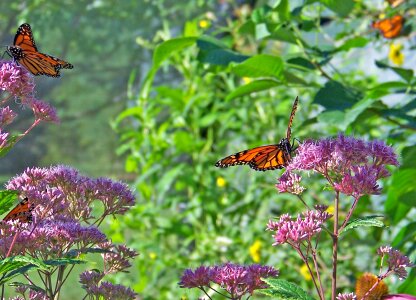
(25, 52)
(264, 158)
(22, 212)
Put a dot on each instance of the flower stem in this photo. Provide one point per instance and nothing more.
(335, 248)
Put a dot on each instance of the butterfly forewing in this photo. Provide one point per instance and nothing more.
(391, 27)
(22, 212)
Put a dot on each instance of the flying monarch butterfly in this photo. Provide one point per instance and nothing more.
(22, 212)
(390, 27)
(263, 158)
(395, 3)
(24, 51)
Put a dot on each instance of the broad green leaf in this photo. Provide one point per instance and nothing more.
(368, 221)
(7, 199)
(333, 118)
(254, 86)
(262, 65)
(342, 8)
(409, 285)
(406, 74)
(10, 267)
(261, 31)
(283, 34)
(285, 290)
(407, 233)
(167, 48)
(356, 42)
(335, 96)
(352, 113)
(403, 184)
(303, 62)
(283, 10)
(11, 141)
(214, 52)
(408, 157)
(292, 78)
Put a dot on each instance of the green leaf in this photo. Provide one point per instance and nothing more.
(262, 65)
(64, 261)
(214, 52)
(333, 118)
(292, 78)
(356, 110)
(356, 42)
(407, 233)
(167, 48)
(285, 290)
(261, 31)
(12, 266)
(11, 141)
(342, 8)
(7, 199)
(403, 184)
(283, 10)
(254, 86)
(285, 35)
(368, 221)
(408, 157)
(335, 96)
(303, 62)
(406, 74)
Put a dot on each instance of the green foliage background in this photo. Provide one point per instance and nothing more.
(181, 95)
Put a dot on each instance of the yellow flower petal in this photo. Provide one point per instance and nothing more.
(203, 24)
(221, 182)
(396, 55)
(255, 251)
(304, 271)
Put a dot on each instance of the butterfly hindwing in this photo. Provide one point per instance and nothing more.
(22, 212)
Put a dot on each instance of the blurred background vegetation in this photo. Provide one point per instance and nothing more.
(163, 89)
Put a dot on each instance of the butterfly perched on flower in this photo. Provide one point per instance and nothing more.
(390, 27)
(264, 158)
(25, 52)
(22, 212)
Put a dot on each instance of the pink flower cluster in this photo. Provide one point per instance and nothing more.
(237, 280)
(17, 83)
(397, 262)
(294, 231)
(65, 225)
(352, 166)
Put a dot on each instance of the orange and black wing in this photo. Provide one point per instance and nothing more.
(243, 157)
(292, 116)
(21, 212)
(272, 159)
(390, 28)
(25, 52)
(24, 38)
(263, 158)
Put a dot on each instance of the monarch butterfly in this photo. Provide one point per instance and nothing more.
(24, 51)
(22, 212)
(395, 3)
(263, 158)
(391, 27)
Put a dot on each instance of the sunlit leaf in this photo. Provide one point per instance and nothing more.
(254, 86)
(283, 289)
(262, 65)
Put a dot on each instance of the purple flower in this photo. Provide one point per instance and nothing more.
(351, 166)
(117, 257)
(44, 111)
(295, 231)
(37, 295)
(201, 277)
(6, 116)
(108, 290)
(15, 79)
(235, 279)
(346, 296)
(397, 263)
(90, 278)
(3, 138)
(289, 183)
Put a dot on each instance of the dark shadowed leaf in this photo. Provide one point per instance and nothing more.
(406, 74)
(335, 96)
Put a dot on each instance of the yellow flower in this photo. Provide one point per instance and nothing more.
(255, 252)
(246, 80)
(330, 209)
(396, 55)
(203, 24)
(152, 255)
(221, 182)
(304, 271)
